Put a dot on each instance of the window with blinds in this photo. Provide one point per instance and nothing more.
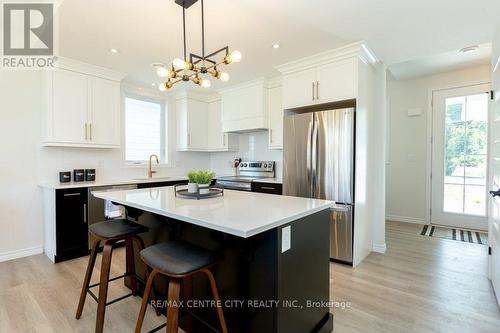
(145, 130)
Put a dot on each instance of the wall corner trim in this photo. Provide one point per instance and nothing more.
(379, 248)
(30, 251)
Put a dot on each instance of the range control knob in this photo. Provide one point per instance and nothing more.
(265, 165)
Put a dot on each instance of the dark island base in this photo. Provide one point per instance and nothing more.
(262, 289)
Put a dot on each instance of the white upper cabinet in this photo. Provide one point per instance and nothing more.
(81, 106)
(67, 97)
(275, 117)
(328, 77)
(217, 139)
(105, 112)
(299, 88)
(244, 107)
(192, 129)
(337, 81)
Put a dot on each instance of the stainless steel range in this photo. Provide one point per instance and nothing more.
(248, 172)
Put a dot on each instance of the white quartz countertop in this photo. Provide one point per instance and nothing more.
(239, 213)
(111, 182)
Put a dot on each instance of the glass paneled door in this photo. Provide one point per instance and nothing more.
(460, 157)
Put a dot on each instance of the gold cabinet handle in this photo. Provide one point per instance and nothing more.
(271, 135)
(90, 131)
(317, 89)
(313, 91)
(189, 139)
(86, 132)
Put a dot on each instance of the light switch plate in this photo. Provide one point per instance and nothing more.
(286, 239)
(415, 112)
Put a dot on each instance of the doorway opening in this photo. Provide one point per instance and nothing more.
(459, 172)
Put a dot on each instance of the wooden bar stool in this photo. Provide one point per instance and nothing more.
(110, 232)
(177, 260)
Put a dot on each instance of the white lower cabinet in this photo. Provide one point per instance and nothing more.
(275, 106)
(217, 139)
(80, 110)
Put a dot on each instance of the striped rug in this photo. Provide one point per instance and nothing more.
(461, 235)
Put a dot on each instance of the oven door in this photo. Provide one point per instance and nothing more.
(231, 185)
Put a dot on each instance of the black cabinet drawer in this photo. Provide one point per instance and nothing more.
(161, 184)
(71, 224)
(270, 188)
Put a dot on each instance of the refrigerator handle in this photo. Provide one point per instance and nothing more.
(308, 161)
(314, 158)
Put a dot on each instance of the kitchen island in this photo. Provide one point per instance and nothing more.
(274, 276)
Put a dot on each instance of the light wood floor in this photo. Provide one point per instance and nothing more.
(421, 284)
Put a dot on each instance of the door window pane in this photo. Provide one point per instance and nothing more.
(453, 198)
(465, 158)
(455, 109)
(455, 140)
(475, 170)
(477, 108)
(454, 170)
(475, 200)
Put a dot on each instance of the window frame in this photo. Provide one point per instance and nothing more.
(164, 144)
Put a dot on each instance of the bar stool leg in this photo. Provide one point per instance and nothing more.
(145, 299)
(215, 292)
(187, 291)
(103, 285)
(88, 277)
(129, 254)
(174, 288)
(147, 270)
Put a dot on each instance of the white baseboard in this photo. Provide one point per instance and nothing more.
(9, 255)
(379, 248)
(406, 219)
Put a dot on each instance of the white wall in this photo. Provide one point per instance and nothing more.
(406, 171)
(252, 146)
(25, 164)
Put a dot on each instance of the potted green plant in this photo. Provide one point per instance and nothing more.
(204, 179)
(192, 181)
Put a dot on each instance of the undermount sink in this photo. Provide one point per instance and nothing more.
(154, 178)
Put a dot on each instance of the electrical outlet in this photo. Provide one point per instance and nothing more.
(286, 239)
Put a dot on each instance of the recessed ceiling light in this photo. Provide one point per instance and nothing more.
(114, 51)
(276, 46)
(153, 84)
(469, 49)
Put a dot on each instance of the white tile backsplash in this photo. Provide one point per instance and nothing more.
(252, 146)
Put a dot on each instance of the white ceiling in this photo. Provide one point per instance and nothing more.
(443, 62)
(150, 31)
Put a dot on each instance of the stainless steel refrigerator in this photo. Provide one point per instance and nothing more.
(318, 162)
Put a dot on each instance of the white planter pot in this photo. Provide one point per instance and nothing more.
(192, 187)
(204, 188)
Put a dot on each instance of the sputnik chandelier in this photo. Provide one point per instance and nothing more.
(191, 69)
